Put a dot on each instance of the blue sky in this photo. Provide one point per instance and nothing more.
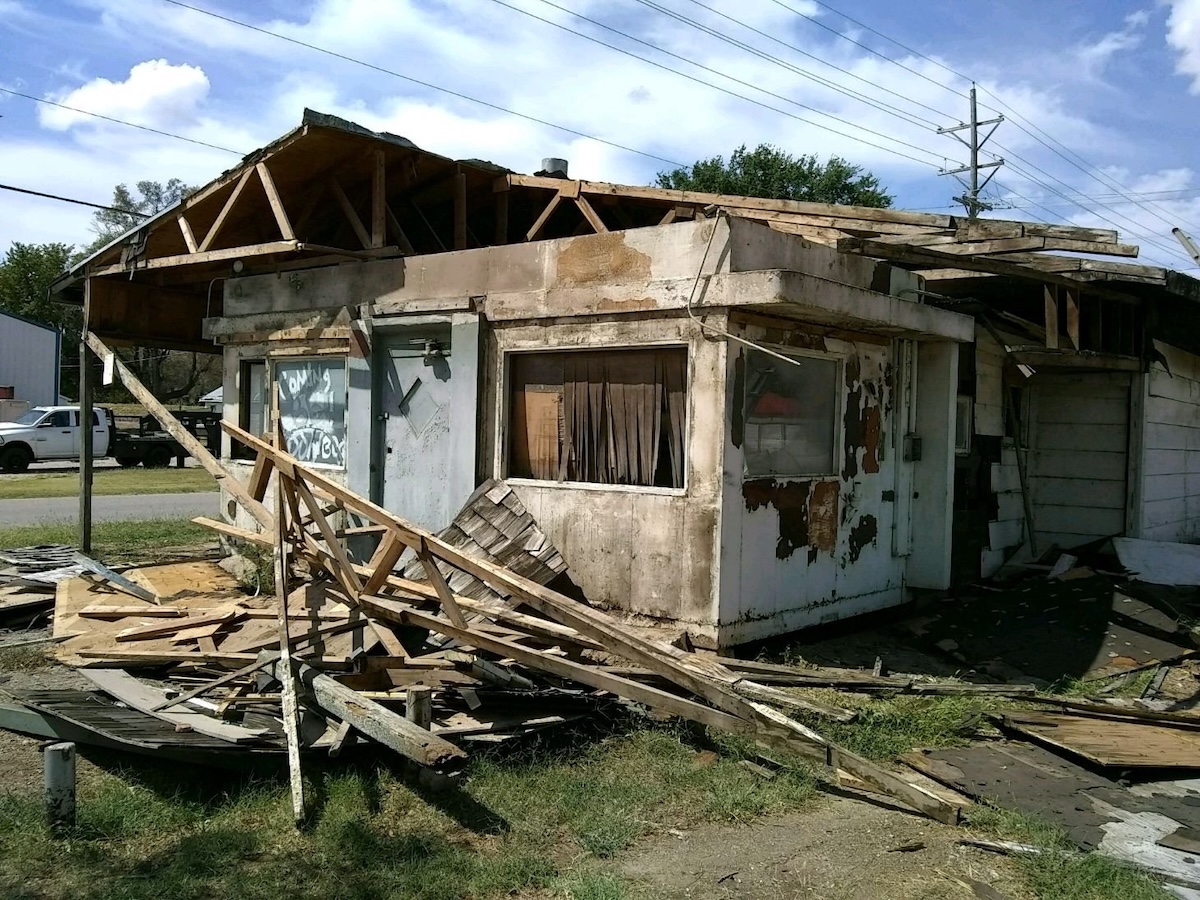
(1101, 96)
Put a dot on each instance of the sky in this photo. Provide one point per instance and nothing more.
(1101, 98)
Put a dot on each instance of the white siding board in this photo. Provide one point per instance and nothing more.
(29, 360)
(1005, 534)
(1090, 493)
(1010, 507)
(989, 384)
(1084, 521)
(1069, 411)
(1005, 478)
(1069, 438)
(1103, 466)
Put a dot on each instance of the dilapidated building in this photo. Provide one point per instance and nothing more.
(742, 416)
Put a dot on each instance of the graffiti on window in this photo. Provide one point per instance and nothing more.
(312, 409)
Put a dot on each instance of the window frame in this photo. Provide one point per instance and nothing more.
(272, 411)
(237, 449)
(839, 406)
(504, 412)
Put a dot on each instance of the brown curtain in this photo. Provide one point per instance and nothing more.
(616, 407)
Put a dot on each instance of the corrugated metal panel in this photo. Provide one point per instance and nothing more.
(29, 360)
(1080, 457)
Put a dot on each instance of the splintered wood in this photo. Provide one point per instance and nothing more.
(433, 638)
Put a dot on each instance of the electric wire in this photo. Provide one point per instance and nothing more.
(20, 190)
(733, 93)
(115, 121)
(425, 84)
(909, 118)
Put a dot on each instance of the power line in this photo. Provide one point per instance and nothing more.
(909, 118)
(1091, 170)
(424, 84)
(19, 190)
(724, 90)
(84, 112)
(824, 62)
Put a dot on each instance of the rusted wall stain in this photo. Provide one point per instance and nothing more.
(823, 516)
(862, 534)
(862, 423)
(634, 304)
(808, 513)
(602, 257)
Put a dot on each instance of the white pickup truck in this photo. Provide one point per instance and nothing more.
(50, 432)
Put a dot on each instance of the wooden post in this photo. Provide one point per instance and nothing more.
(460, 211)
(85, 433)
(418, 707)
(287, 675)
(502, 216)
(1051, 299)
(58, 762)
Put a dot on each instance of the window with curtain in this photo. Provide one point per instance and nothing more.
(599, 416)
(790, 415)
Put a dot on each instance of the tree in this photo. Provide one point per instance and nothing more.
(25, 276)
(128, 212)
(769, 172)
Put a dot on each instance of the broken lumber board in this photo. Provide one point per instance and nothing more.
(563, 668)
(100, 611)
(189, 441)
(767, 694)
(1110, 742)
(701, 677)
(163, 629)
(147, 699)
(1113, 711)
(264, 659)
(376, 721)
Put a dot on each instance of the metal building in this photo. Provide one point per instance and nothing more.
(29, 360)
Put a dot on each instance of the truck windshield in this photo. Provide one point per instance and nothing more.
(31, 417)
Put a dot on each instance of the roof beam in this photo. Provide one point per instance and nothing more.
(281, 219)
(348, 208)
(225, 210)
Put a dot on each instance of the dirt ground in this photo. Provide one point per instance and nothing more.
(842, 849)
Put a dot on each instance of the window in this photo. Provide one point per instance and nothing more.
(254, 401)
(60, 419)
(312, 409)
(599, 416)
(790, 415)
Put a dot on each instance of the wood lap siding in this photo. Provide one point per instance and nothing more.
(603, 417)
(1170, 508)
(1080, 455)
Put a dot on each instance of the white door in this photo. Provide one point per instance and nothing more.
(58, 436)
(415, 448)
(99, 444)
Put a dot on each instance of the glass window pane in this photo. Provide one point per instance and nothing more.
(256, 398)
(790, 415)
(312, 409)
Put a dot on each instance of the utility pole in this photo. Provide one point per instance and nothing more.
(970, 198)
(1188, 244)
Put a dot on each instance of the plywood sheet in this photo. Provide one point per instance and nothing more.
(1109, 742)
(1159, 562)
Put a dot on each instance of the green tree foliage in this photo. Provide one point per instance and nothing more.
(767, 171)
(25, 275)
(129, 211)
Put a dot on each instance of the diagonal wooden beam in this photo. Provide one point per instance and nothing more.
(281, 219)
(188, 237)
(351, 216)
(225, 210)
(445, 597)
(391, 548)
(544, 217)
(353, 584)
(401, 237)
(591, 215)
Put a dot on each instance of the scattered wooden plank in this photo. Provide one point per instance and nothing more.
(1111, 742)
(148, 699)
(100, 611)
(162, 629)
(375, 721)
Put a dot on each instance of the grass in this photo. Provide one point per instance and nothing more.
(115, 541)
(107, 482)
(541, 822)
(1060, 872)
(25, 659)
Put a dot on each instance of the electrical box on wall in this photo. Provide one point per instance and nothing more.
(912, 448)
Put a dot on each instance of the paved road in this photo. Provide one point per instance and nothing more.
(115, 508)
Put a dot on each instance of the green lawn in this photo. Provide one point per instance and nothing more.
(108, 481)
(116, 541)
(538, 824)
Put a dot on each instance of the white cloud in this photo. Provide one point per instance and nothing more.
(1183, 34)
(156, 94)
(1096, 56)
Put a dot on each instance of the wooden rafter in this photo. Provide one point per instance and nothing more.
(188, 238)
(348, 209)
(379, 199)
(540, 223)
(225, 210)
(590, 214)
(273, 198)
(401, 238)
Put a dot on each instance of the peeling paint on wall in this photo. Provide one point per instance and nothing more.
(602, 257)
(808, 513)
(862, 423)
(862, 534)
(737, 412)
